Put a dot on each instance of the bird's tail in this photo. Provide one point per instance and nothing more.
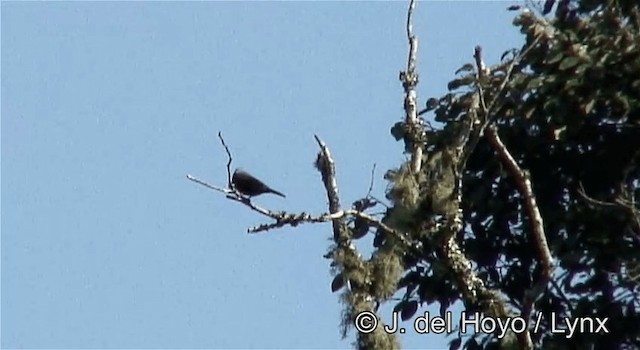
(276, 192)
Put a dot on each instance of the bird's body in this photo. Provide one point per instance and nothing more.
(250, 186)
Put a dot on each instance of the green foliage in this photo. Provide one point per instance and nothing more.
(386, 271)
(404, 186)
(569, 113)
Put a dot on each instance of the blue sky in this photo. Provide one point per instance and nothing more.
(106, 106)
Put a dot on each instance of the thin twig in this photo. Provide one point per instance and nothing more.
(487, 110)
(236, 196)
(369, 195)
(620, 202)
(581, 191)
(507, 77)
(205, 184)
(231, 192)
(373, 172)
(229, 159)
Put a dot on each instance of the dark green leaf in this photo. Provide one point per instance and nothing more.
(399, 306)
(568, 63)
(337, 283)
(511, 52)
(535, 83)
(472, 344)
(443, 308)
(409, 309)
(457, 83)
(466, 68)
(431, 104)
(398, 131)
(455, 344)
(556, 58)
(442, 116)
(548, 4)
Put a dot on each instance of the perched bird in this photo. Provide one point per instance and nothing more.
(248, 185)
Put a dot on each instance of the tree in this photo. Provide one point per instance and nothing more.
(545, 148)
(522, 204)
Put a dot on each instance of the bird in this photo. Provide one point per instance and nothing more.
(250, 186)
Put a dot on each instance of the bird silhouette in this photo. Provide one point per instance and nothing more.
(250, 186)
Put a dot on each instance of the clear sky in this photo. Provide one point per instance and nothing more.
(106, 106)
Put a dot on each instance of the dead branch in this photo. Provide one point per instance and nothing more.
(205, 184)
(523, 182)
(327, 168)
(229, 183)
(625, 199)
(373, 172)
(232, 193)
(235, 196)
(409, 79)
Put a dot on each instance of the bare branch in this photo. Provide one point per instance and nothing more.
(522, 178)
(205, 184)
(413, 42)
(230, 184)
(373, 172)
(293, 220)
(369, 195)
(236, 196)
(326, 166)
(625, 199)
(516, 60)
(585, 196)
(523, 183)
(409, 78)
(232, 193)
(625, 202)
(480, 74)
(358, 297)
